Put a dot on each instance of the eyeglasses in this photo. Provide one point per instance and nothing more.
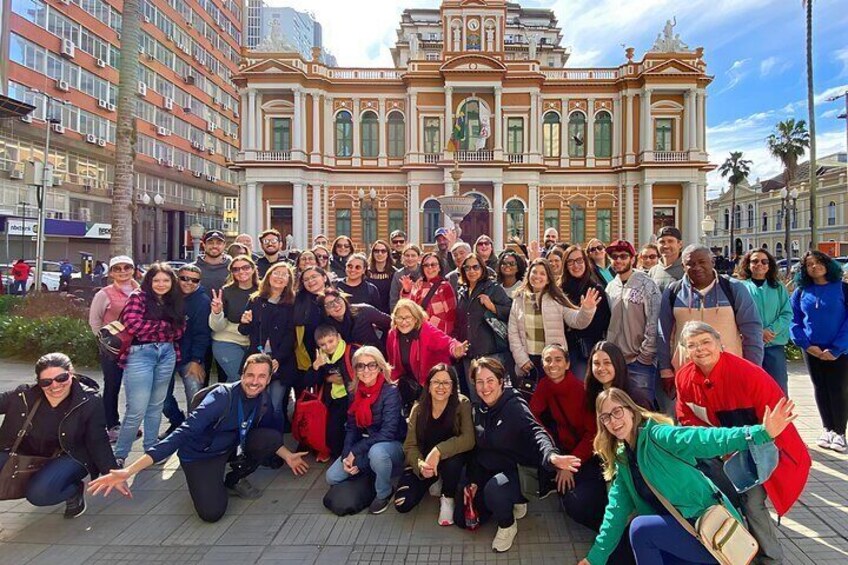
(191, 280)
(354, 267)
(398, 241)
(334, 303)
(696, 345)
(270, 240)
(242, 269)
(379, 251)
(572, 262)
(342, 246)
(509, 264)
(60, 378)
(654, 257)
(484, 243)
(595, 249)
(280, 274)
(474, 267)
(620, 256)
(441, 384)
(122, 268)
(312, 278)
(404, 318)
(430, 265)
(759, 261)
(362, 367)
(322, 257)
(617, 413)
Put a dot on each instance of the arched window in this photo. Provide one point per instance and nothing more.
(396, 135)
(737, 217)
(344, 134)
(551, 134)
(514, 219)
(369, 135)
(432, 219)
(726, 219)
(476, 121)
(778, 249)
(750, 215)
(603, 135)
(765, 221)
(577, 135)
(831, 214)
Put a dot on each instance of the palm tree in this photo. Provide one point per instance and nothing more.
(125, 135)
(787, 143)
(736, 169)
(811, 109)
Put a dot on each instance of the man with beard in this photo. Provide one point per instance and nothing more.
(551, 239)
(271, 242)
(214, 264)
(398, 241)
(444, 239)
(670, 267)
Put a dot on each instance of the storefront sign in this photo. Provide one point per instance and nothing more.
(99, 231)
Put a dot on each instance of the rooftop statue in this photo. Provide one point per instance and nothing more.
(668, 41)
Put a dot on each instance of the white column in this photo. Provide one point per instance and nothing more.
(326, 205)
(316, 128)
(242, 209)
(412, 116)
(413, 209)
(245, 123)
(498, 123)
(298, 204)
(249, 210)
(251, 120)
(616, 131)
(381, 124)
(259, 130)
(448, 113)
(532, 213)
(317, 190)
(646, 135)
(702, 204)
(630, 214)
(304, 218)
(297, 139)
(329, 141)
(702, 121)
(590, 132)
(646, 212)
(628, 130)
(534, 124)
(688, 121)
(691, 211)
(498, 216)
(357, 132)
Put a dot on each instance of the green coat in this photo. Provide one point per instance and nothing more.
(667, 460)
(775, 309)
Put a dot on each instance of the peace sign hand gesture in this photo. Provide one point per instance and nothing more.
(217, 301)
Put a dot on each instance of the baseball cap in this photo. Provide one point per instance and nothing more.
(398, 233)
(120, 260)
(621, 245)
(441, 231)
(670, 231)
(214, 234)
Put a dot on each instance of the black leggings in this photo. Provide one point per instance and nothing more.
(587, 501)
(830, 387)
(112, 377)
(203, 477)
(411, 489)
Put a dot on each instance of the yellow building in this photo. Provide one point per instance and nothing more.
(606, 152)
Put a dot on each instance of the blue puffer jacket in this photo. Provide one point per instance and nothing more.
(387, 425)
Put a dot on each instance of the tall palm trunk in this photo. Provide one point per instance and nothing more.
(732, 247)
(811, 108)
(125, 138)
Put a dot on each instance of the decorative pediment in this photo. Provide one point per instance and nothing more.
(672, 67)
(473, 63)
(466, 3)
(270, 66)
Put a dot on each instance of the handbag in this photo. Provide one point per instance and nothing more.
(309, 423)
(19, 469)
(718, 530)
(113, 339)
(499, 329)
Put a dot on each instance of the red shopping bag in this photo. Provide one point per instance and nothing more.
(309, 423)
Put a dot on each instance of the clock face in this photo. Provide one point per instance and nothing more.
(473, 25)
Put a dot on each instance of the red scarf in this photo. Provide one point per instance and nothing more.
(363, 399)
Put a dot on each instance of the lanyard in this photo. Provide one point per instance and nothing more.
(244, 425)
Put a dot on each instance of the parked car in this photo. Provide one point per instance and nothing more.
(49, 276)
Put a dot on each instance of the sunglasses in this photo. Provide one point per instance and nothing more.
(467, 268)
(189, 280)
(509, 264)
(270, 240)
(595, 249)
(122, 268)
(321, 257)
(242, 269)
(354, 267)
(380, 251)
(398, 241)
(620, 256)
(342, 246)
(484, 243)
(60, 378)
(430, 265)
(652, 257)
(759, 261)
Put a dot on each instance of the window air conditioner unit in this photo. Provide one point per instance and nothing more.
(58, 128)
(147, 19)
(65, 2)
(139, 197)
(180, 168)
(210, 127)
(197, 174)
(101, 142)
(196, 145)
(27, 119)
(162, 131)
(85, 214)
(169, 104)
(16, 174)
(57, 181)
(160, 161)
(62, 85)
(101, 63)
(210, 150)
(110, 107)
(188, 79)
(169, 163)
(91, 138)
(68, 49)
(102, 104)
(142, 88)
(210, 178)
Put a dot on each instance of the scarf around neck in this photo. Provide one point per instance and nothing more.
(363, 399)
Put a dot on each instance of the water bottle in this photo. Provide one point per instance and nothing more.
(472, 519)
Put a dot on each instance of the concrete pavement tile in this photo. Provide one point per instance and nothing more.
(11, 523)
(349, 530)
(230, 555)
(167, 480)
(386, 529)
(804, 523)
(195, 531)
(313, 500)
(66, 555)
(20, 553)
(273, 502)
(85, 530)
(149, 555)
(291, 555)
(142, 502)
(824, 549)
(178, 502)
(286, 480)
(333, 555)
(547, 553)
(306, 529)
(152, 529)
(252, 530)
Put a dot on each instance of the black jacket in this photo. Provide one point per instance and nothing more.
(470, 317)
(360, 328)
(338, 265)
(597, 329)
(507, 436)
(82, 432)
(273, 323)
(364, 293)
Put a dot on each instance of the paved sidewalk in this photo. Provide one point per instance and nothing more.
(289, 524)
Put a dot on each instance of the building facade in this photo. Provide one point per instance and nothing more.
(606, 152)
(300, 30)
(63, 58)
(760, 211)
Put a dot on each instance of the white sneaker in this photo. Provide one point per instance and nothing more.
(436, 488)
(825, 439)
(504, 538)
(519, 511)
(837, 443)
(446, 506)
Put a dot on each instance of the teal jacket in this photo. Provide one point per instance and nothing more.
(667, 460)
(775, 309)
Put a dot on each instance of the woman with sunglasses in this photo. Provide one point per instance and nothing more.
(342, 249)
(67, 425)
(229, 346)
(268, 321)
(758, 272)
(511, 270)
(577, 278)
(433, 293)
(375, 428)
(355, 283)
(437, 445)
(322, 258)
(486, 249)
(380, 273)
(155, 318)
(105, 308)
(644, 454)
(600, 265)
(356, 323)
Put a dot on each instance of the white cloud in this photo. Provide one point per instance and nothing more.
(822, 97)
(842, 56)
(773, 66)
(737, 71)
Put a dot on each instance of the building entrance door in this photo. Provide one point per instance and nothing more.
(478, 220)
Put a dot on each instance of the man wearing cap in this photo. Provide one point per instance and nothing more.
(444, 239)
(634, 301)
(398, 241)
(272, 243)
(670, 267)
(214, 263)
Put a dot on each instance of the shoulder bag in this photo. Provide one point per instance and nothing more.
(19, 469)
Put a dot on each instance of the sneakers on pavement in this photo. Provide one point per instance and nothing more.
(75, 506)
(446, 508)
(837, 443)
(379, 505)
(825, 439)
(504, 538)
(519, 511)
(243, 489)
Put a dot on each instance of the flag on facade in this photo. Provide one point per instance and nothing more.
(484, 128)
(458, 133)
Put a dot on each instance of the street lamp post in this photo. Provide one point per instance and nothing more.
(707, 226)
(843, 115)
(196, 231)
(368, 213)
(789, 200)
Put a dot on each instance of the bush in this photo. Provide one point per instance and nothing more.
(31, 337)
(46, 305)
(7, 302)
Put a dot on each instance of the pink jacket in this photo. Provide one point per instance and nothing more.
(432, 347)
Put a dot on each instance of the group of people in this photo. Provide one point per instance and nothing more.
(456, 370)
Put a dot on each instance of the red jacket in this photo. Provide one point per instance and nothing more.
(432, 347)
(20, 271)
(566, 403)
(736, 394)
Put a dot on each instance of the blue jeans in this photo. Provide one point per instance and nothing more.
(661, 540)
(774, 363)
(385, 459)
(229, 356)
(279, 394)
(642, 383)
(171, 409)
(148, 371)
(19, 288)
(56, 482)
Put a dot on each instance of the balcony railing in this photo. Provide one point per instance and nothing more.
(481, 156)
(273, 155)
(671, 156)
(432, 158)
(581, 74)
(516, 158)
(364, 74)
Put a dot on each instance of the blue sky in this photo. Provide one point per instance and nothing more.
(753, 48)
